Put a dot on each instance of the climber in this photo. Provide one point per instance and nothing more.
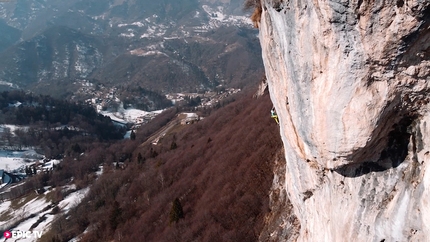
(274, 115)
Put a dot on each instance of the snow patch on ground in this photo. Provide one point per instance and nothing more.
(113, 116)
(73, 199)
(128, 35)
(129, 115)
(141, 52)
(35, 211)
(138, 24)
(4, 206)
(9, 163)
(100, 171)
(11, 160)
(190, 115)
(34, 206)
(11, 127)
(132, 114)
(217, 17)
(211, 18)
(3, 83)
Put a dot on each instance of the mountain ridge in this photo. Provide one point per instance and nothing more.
(165, 51)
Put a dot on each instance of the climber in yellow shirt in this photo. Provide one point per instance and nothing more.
(274, 115)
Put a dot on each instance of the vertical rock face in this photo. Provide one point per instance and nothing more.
(350, 83)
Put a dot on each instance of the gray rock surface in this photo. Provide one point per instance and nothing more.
(350, 83)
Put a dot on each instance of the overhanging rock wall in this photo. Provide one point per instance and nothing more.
(350, 83)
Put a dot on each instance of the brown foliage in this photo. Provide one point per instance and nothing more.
(256, 15)
(222, 184)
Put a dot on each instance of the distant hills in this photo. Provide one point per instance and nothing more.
(58, 54)
(9, 35)
(50, 46)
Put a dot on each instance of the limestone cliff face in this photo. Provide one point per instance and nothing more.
(350, 82)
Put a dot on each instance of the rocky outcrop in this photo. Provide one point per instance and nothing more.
(350, 83)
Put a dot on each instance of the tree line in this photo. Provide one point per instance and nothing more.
(52, 125)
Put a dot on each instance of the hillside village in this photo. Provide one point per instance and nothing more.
(107, 102)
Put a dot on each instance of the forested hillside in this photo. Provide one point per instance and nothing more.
(52, 125)
(207, 182)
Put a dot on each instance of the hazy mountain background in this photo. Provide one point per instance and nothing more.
(55, 47)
